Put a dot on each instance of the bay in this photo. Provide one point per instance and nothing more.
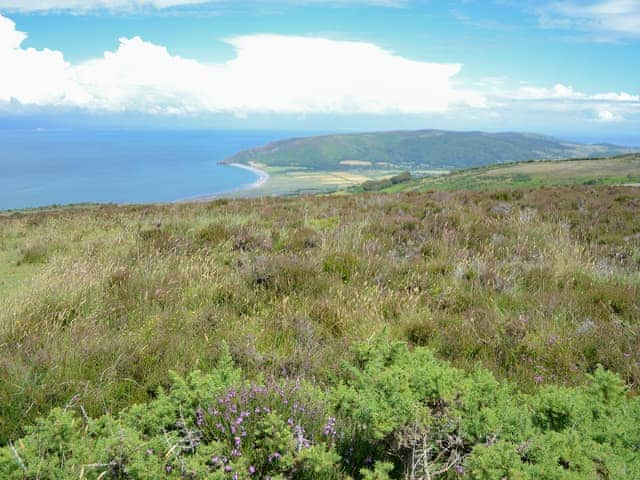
(59, 167)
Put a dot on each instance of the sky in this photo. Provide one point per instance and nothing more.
(550, 66)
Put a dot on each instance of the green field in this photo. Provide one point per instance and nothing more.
(292, 181)
(622, 170)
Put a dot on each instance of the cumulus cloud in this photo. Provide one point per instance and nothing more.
(564, 92)
(606, 20)
(269, 74)
(606, 116)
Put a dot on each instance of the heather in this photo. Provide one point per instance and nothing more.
(392, 413)
(98, 303)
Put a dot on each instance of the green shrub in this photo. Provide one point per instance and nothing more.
(343, 264)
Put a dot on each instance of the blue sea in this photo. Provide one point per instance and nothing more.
(47, 167)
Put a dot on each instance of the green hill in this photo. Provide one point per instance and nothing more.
(416, 150)
(621, 170)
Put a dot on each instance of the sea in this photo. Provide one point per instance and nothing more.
(43, 167)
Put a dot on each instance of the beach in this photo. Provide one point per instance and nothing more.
(263, 177)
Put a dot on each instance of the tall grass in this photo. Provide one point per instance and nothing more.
(539, 287)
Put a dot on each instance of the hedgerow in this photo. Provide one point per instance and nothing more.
(393, 412)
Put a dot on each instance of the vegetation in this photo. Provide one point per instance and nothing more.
(384, 183)
(295, 181)
(310, 295)
(620, 170)
(392, 413)
(415, 150)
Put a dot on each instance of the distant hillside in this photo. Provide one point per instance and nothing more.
(417, 150)
(620, 170)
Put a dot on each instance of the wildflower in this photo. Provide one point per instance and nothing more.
(538, 379)
(228, 468)
(168, 469)
(274, 456)
(252, 470)
(330, 427)
(459, 469)
(199, 417)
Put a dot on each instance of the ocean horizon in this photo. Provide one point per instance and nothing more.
(42, 167)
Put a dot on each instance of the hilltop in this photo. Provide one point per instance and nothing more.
(416, 150)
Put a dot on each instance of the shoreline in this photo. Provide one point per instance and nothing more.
(263, 177)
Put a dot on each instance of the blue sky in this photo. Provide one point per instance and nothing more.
(566, 67)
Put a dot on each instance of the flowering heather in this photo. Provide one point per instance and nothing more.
(262, 429)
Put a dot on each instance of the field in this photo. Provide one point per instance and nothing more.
(537, 285)
(290, 181)
(609, 171)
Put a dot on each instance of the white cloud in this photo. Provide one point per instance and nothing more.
(606, 116)
(115, 5)
(606, 20)
(563, 92)
(87, 5)
(270, 74)
(562, 101)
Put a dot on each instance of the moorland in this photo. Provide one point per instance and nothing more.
(420, 334)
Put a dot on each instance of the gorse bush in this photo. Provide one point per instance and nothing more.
(393, 413)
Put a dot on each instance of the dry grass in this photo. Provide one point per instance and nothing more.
(534, 283)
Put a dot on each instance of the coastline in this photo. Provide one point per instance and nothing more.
(263, 177)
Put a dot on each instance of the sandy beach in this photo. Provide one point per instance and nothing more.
(263, 177)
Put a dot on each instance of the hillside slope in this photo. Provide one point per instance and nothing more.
(102, 301)
(416, 150)
(621, 170)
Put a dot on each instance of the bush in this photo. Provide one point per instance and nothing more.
(342, 264)
(394, 413)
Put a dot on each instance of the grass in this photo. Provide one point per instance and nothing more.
(300, 180)
(609, 171)
(101, 302)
